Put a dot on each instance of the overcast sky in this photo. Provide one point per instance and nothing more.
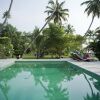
(26, 14)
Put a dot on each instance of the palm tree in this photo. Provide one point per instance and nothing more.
(6, 16)
(56, 14)
(93, 7)
(57, 10)
(38, 43)
(69, 29)
(92, 34)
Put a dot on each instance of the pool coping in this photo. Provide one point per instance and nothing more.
(4, 63)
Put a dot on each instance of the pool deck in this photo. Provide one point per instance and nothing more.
(90, 66)
(4, 63)
(93, 66)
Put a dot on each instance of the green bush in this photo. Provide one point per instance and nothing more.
(97, 49)
(6, 48)
(5, 40)
(18, 52)
(95, 46)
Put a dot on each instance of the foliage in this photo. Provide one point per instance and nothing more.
(54, 39)
(38, 42)
(69, 29)
(93, 7)
(73, 42)
(19, 44)
(96, 48)
(95, 45)
(58, 42)
(6, 47)
(56, 11)
(9, 31)
(6, 15)
(18, 40)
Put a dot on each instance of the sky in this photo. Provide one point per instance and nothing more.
(26, 14)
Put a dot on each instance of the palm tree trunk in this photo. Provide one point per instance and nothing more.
(90, 25)
(5, 20)
(89, 84)
(4, 92)
(43, 86)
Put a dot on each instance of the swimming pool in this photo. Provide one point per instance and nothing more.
(50, 80)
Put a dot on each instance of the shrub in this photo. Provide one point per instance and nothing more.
(96, 49)
(95, 46)
(6, 47)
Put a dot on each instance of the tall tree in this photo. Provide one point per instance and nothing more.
(55, 40)
(93, 7)
(6, 16)
(58, 11)
(69, 29)
(38, 42)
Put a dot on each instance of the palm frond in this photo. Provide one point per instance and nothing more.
(62, 3)
(86, 2)
(49, 17)
(57, 2)
(51, 2)
(97, 30)
(6, 14)
(64, 18)
(57, 11)
(65, 10)
(48, 11)
(66, 14)
(48, 7)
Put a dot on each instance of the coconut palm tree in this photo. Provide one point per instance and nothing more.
(38, 43)
(59, 13)
(6, 15)
(93, 7)
(56, 13)
(92, 35)
(69, 29)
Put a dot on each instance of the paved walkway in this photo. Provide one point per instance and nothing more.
(90, 66)
(4, 63)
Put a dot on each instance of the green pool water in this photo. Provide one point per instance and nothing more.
(48, 81)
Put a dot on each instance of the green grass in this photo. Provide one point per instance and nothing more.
(31, 56)
(28, 56)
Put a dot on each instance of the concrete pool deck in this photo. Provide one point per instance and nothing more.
(93, 66)
(90, 66)
(4, 63)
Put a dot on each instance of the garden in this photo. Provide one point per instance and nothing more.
(54, 39)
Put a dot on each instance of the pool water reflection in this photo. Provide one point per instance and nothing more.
(47, 81)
